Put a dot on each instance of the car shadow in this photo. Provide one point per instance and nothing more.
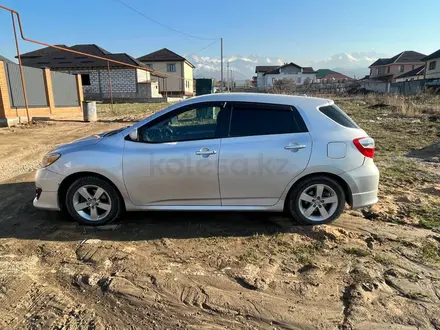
(19, 219)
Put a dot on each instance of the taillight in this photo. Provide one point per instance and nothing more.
(365, 145)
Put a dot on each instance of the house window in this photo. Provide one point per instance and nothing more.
(85, 79)
(401, 68)
(298, 80)
(432, 65)
(388, 69)
(149, 65)
(413, 67)
(171, 67)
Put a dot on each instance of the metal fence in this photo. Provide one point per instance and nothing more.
(65, 90)
(405, 87)
(408, 87)
(35, 86)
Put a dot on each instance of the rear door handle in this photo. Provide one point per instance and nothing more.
(295, 146)
(205, 152)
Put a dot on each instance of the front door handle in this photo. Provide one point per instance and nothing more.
(205, 152)
(295, 146)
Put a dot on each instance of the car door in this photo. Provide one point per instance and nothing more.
(267, 146)
(175, 161)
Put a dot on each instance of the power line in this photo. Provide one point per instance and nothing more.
(207, 46)
(161, 24)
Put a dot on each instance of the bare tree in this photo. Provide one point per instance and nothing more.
(283, 86)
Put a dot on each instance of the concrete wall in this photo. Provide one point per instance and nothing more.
(145, 92)
(299, 78)
(12, 115)
(188, 72)
(126, 84)
(260, 80)
(433, 74)
(180, 82)
(143, 76)
(290, 70)
(173, 83)
(406, 87)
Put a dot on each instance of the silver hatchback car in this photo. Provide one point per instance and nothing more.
(221, 152)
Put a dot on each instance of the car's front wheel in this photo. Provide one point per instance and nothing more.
(316, 200)
(93, 201)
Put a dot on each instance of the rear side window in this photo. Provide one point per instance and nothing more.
(336, 114)
(260, 119)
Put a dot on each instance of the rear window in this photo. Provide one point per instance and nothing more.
(337, 115)
(259, 119)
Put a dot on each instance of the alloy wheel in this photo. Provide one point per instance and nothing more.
(318, 202)
(92, 203)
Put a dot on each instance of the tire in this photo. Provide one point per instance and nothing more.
(93, 210)
(299, 205)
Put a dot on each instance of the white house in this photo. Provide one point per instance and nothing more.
(260, 70)
(291, 71)
(432, 65)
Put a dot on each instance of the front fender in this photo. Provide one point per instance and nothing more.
(104, 158)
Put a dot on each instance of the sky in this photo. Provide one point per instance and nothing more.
(294, 30)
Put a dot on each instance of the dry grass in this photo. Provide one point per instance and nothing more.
(129, 109)
(406, 106)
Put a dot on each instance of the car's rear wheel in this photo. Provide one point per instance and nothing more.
(93, 201)
(316, 200)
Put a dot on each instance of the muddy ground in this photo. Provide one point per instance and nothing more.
(374, 270)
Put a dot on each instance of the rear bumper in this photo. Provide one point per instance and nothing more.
(364, 183)
(47, 183)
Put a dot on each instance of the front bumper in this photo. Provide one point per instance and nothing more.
(364, 183)
(47, 184)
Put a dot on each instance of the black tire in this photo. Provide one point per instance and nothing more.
(116, 206)
(292, 205)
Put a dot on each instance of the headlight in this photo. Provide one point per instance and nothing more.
(50, 158)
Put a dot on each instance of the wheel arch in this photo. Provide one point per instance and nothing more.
(344, 185)
(69, 180)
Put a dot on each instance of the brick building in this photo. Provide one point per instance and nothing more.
(127, 84)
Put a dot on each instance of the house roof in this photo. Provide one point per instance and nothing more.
(163, 55)
(41, 52)
(59, 59)
(403, 57)
(265, 68)
(327, 73)
(323, 72)
(277, 69)
(416, 72)
(308, 69)
(431, 56)
(6, 60)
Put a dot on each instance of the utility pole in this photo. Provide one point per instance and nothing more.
(232, 80)
(221, 64)
(227, 75)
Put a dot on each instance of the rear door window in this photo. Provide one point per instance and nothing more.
(251, 119)
(336, 114)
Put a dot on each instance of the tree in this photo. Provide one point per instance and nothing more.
(284, 86)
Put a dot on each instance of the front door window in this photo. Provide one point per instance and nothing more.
(199, 122)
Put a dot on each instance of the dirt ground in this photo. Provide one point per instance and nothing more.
(374, 270)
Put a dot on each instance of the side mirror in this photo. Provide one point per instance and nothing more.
(134, 135)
